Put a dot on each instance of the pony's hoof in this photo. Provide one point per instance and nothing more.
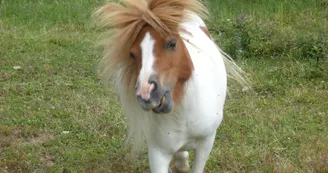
(182, 167)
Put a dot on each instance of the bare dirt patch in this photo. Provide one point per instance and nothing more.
(19, 138)
(11, 137)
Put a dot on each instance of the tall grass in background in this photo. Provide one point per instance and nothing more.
(271, 28)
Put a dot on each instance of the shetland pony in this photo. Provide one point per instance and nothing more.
(170, 76)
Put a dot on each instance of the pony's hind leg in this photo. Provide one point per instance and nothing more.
(181, 161)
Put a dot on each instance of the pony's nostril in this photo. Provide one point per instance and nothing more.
(155, 85)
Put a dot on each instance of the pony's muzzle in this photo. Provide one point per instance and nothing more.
(152, 96)
(146, 104)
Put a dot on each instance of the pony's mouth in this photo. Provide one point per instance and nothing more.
(165, 104)
(161, 101)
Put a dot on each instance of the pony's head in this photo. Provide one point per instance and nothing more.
(163, 66)
(145, 50)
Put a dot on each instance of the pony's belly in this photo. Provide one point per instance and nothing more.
(185, 131)
(199, 131)
(203, 117)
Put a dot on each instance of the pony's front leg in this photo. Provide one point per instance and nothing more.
(202, 153)
(159, 160)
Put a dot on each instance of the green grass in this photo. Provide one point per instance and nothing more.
(279, 127)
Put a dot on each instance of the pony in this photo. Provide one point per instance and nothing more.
(170, 76)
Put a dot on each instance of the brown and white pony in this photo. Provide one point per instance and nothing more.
(170, 76)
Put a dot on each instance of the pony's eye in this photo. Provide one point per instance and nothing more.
(171, 44)
(132, 55)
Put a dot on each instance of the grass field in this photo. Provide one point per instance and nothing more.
(55, 116)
